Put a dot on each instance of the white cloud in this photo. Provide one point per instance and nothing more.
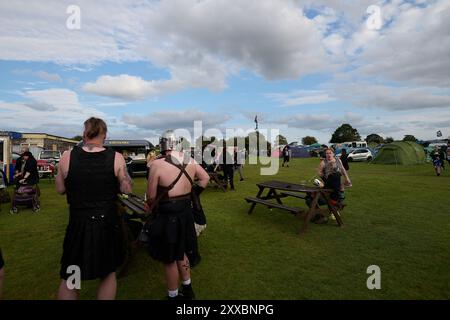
(128, 87)
(56, 111)
(300, 97)
(51, 77)
(36, 31)
(163, 120)
(393, 98)
(414, 48)
(200, 43)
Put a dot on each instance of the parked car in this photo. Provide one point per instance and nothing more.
(360, 155)
(136, 151)
(50, 155)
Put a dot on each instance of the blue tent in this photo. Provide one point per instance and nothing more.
(300, 152)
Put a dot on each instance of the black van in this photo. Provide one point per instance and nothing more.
(136, 152)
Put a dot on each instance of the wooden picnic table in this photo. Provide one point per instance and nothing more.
(135, 204)
(214, 177)
(292, 190)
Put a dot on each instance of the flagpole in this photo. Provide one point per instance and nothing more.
(257, 138)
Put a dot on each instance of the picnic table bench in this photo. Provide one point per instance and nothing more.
(292, 190)
(214, 177)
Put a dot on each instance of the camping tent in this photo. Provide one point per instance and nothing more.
(400, 152)
(300, 152)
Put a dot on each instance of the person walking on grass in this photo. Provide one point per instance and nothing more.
(172, 235)
(286, 155)
(239, 160)
(438, 156)
(344, 159)
(228, 167)
(91, 176)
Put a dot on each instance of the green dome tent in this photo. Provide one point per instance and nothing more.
(400, 152)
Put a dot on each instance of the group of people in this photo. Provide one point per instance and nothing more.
(91, 176)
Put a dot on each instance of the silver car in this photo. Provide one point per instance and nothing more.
(360, 155)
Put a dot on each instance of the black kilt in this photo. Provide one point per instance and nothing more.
(94, 241)
(172, 233)
(2, 263)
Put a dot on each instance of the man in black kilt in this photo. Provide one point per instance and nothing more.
(92, 176)
(172, 236)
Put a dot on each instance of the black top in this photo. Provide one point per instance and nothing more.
(227, 158)
(19, 162)
(344, 160)
(31, 167)
(91, 182)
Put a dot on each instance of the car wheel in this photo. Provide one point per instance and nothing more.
(350, 159)
(369, 159)
(41, 175)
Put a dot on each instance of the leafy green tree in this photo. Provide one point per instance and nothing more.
(77, 138)
(280, 140)
(374, 138)
(409, 137)
(345, 133)
(389, 140)
(308, 140)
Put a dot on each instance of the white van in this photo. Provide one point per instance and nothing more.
(353, 144)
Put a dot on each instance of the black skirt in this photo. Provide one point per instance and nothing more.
(94, 242)
(172, 233)
(2, 263)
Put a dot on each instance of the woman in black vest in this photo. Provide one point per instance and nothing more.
(92, 176)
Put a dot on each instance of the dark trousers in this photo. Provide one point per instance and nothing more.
(228, 174)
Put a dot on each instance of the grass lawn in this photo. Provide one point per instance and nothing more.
(396, 217)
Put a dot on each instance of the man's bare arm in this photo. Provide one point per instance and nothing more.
(125, 182)
(321, 168)
(153, 181)
(202, 175)
(63, 168)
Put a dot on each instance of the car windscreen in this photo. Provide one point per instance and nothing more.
(134, 153)
(49, 155)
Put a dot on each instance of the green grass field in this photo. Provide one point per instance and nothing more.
(396, 217)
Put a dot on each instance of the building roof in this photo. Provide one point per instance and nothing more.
(46, 135)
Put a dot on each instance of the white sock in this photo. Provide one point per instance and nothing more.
(187, 282)
(173, 293)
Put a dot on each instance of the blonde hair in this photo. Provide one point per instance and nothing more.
(151, 156)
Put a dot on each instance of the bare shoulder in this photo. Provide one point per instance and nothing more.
(118, 158)
(65, 159)
(66, 154)
(157, 163)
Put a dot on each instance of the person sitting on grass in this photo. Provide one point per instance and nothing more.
(330, 170)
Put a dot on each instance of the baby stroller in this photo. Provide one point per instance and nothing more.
(26, 195)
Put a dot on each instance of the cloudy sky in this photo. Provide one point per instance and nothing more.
(304, 67)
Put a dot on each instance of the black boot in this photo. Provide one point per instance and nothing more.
(187, 292)
(177, 297)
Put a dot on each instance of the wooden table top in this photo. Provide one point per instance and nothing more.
(287, 186)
